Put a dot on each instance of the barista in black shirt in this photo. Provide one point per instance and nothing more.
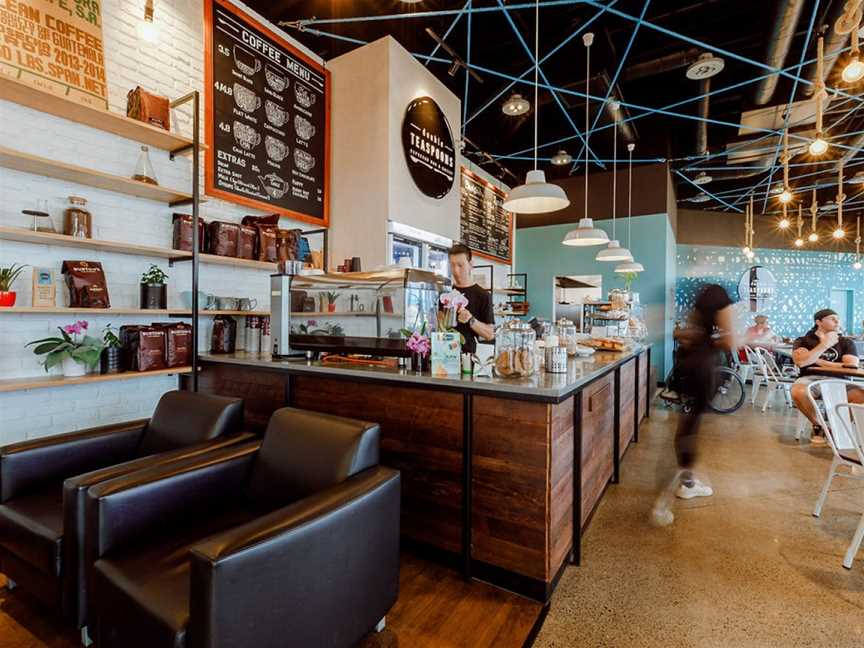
(477, 320)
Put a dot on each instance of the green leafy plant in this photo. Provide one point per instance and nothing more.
(154, 276)
(9, 275)
(74, 343)
(628, 278)
(331, 297)
(109, 338)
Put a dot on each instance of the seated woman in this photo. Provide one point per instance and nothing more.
(822, 346)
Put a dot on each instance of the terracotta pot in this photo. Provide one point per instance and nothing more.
(331, 308)
(7, 298)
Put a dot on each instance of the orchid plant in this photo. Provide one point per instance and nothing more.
(451, 302)
(74, 343)
(418, 341)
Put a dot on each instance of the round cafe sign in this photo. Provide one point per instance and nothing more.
(428, 146)
(757, 287)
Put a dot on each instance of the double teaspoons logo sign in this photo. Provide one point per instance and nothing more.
(428, 147)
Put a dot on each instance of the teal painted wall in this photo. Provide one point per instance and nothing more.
(539, 253)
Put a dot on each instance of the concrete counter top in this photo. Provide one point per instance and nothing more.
(541, 386)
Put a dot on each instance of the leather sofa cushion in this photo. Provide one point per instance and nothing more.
(145, 587)
(184, 418)
(306, 452)
(31, 527)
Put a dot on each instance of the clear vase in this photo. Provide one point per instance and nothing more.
(144, 169)
(73, 369)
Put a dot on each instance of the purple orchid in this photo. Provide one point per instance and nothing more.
(419, 343)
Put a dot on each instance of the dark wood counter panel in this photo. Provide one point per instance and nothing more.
(502, 483)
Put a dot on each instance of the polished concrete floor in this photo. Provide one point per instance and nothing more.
(748, 567)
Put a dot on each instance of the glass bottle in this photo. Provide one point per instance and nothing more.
(144, 169)
(514, 348)
(77, 220)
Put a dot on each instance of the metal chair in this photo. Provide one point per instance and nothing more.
(758, 375)
(774, 378)
(855, 429)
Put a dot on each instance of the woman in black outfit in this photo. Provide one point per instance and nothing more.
(700, 346)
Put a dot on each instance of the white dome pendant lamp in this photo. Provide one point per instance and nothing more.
(585, 233)
(632, 265)
(536, 196)
(614, 251)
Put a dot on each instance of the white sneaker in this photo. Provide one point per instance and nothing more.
(669, 394)
(662, 516)
(818, 441)
(698, 489)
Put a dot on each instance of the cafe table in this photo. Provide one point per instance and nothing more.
(839, 372)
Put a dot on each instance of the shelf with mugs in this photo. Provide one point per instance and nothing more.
(170, 312)
(28, 163)
(24, 235)
(104, 120)
(41, 382)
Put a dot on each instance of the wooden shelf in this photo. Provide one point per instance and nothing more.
(19, 384)
(62, 310)
(509, 291)
(345, 314)
(104, 120)
(22, 235)
(234, 313)
(12, 159)
(215, 259)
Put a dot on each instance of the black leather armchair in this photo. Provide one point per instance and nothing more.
(43, 483)
(293, 541)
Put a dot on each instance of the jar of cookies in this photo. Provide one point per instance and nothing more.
(514, 350)
(567, 334)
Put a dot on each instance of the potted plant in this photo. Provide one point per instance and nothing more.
(75, 351)
(419, 345)
(628, 278)
(331, 301)
(154, 291)
(111, 360)
(7, 278)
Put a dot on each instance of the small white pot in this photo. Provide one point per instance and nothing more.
(72, 369)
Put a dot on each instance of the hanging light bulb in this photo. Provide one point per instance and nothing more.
(839, 232)
(819, 146)
(516, 105)
(854, 70)
(785, 197)
(614, 251)
(585, 233)
(632, 265)
(147, 29)
(799, 242)
(784, 222)
(857, 264)
(814, 214)
(536, 196)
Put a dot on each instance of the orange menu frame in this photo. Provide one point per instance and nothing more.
(484, 181)
(209, 184)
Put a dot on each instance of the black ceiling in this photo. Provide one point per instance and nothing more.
(653, 76)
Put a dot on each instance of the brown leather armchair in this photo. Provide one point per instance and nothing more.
(43, 483)
(293, 541)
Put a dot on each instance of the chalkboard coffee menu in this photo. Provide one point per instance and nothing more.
(267, 118)
(486, 227)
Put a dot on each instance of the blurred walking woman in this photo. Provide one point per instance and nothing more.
(701, 344)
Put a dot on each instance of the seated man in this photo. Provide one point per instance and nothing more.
(822, 346)
(761, 333)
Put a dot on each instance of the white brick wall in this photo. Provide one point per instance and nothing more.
(171, 68)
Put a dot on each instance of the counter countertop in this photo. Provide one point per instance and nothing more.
(541, 386)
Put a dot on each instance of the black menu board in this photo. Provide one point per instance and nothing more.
(267, 118)
(486, 227)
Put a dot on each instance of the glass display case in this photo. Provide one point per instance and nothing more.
(359, 312)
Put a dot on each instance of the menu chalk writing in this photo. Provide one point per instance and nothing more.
(486, 227)
(266, 119)
(56, 47)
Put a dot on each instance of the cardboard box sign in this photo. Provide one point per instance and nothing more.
(178, 343)
(143, 346)
(44, 290)
(86, 283)
(446, 354)
(148, 108)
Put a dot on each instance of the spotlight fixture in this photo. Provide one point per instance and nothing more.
(516, 105)
(457, 61)
(562, 158)
(702, 179)
(148, 31)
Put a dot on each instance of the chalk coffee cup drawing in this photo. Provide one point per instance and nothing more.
(276, 149)
(275, 79)
(227, 303)
(303, 160)
(276, 115)
(246, 136)
(304, 96)
(245, 99)
(247, 304)
(245, 61)
(303, 127)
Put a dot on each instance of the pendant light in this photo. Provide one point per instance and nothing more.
(785, 196)
(746, 249)
(839, 232)
(857, 264)
(799, 242)
(854, 70)
(819, 146)
(614, 251)
(632, 265)
(814, 214)
(751, 231)
(585, 233)
(536, 196)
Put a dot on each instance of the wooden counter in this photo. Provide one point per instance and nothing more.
(499, 478)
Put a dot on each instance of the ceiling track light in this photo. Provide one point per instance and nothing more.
(585, 233)
(457, 61)
(536, 196)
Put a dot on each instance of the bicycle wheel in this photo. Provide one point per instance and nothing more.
(730, 391)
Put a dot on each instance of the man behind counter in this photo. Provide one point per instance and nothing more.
(477, 320)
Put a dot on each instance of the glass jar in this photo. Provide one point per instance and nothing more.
(567, 335)
(514, 350)
(77, 221)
